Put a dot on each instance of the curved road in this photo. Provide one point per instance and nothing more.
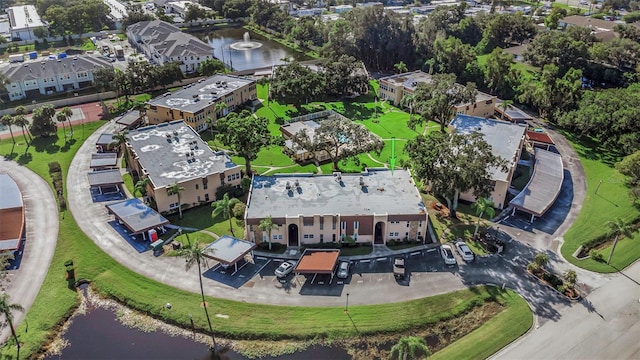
(369, 288)
(41, 233)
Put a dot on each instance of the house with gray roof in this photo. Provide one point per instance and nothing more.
(162, 43)
(506, 140)
(173, 153)
(374, 206)
(50, 76)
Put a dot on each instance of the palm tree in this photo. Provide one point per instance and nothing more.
(61, 119)
(120, 140)
(20, 120)
(176, 189)
(141, 186)
(68, 113)
(21, 117)
(193, 253)
(408, 100)
(6, 308)
(482, 206)
(617, 227)
(267, 225)
(224, 207)
(410, 347)
(541, 260)
(7, 120)
(504, 105)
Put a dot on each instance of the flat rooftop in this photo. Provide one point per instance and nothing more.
(411, 80)
(162, 152)
(136, 216)
(383, 192)
(318, 261)
(544, 186)
(103, 160)
(11, 195)
(105, 177)
(228, 250)
(513, 113)
(24, 17)
(105, 139)
(129, 118)
(199, 95)
(504, 137)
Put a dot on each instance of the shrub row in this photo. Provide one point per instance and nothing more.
(55, 171)
(598, 240)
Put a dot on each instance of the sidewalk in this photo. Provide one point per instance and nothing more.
(378, 252)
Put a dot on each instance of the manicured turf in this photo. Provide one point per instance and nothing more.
(128, 183)
(611, 201)
(495, 334)
(200, 218)
(56, 301)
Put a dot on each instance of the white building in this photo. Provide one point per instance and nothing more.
(162, 43)
(26, 80)
(181, 7)
(23, 21)
(117, 11)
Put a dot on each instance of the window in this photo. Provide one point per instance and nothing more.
(199, 200)
(205, 183)
(307, 222)
(172, 206)
(419, 233)
(420, 224)
(196, 186)
(250, 227)
(308, 236)
(264, 237)
(321, 237)
(408, 224)
(343, 225)
(275, 237)
(321, 224)
(206, 197)
(355, 225)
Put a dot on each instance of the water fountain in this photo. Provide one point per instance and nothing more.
(246, 43)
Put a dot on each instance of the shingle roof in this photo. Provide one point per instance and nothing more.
(50, 68)
(168, 40)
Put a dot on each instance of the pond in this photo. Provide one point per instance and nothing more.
(266, 53)
(98, 334)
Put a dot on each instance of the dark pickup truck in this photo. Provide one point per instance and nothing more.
(399, 270)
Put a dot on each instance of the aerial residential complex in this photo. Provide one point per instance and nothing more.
(374, 206)
(506, 140)
(173, 153)
(196, 102)
(48, 76)
(23, 21)
(393, 88)
(162, 43)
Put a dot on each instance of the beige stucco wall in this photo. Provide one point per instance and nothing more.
(194, 189)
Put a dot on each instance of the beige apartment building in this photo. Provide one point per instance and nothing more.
(393, 88)
(506, 140)
(173, 153)
(374, 206)
(196, 102)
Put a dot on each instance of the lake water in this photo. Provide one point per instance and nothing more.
(99, 335)
(268, 54)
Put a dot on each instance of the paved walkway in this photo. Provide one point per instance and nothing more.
(41, 230)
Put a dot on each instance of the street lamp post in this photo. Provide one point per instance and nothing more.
(346, 307)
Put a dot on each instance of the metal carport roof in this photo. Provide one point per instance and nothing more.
(136, 216)
(543, 187)
(228, 250)
(105, 177)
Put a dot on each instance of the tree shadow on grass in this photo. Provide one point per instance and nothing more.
(25, 158)
(48, 144)
(357, 111)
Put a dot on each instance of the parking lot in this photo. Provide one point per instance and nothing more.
(423, 267)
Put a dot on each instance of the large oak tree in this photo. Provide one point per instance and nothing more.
(341, 139)
(454, 164)
(245, 135)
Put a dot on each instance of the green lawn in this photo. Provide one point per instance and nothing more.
(527, 72)
(128, 183)
(88, 45)
(56, 300)
(200, 218)
(610, 202)
(495, 334)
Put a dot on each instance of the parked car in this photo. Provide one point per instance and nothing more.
(285, 268)
(399, 270)
(464, 251)
(447, 255)
(343, 270)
